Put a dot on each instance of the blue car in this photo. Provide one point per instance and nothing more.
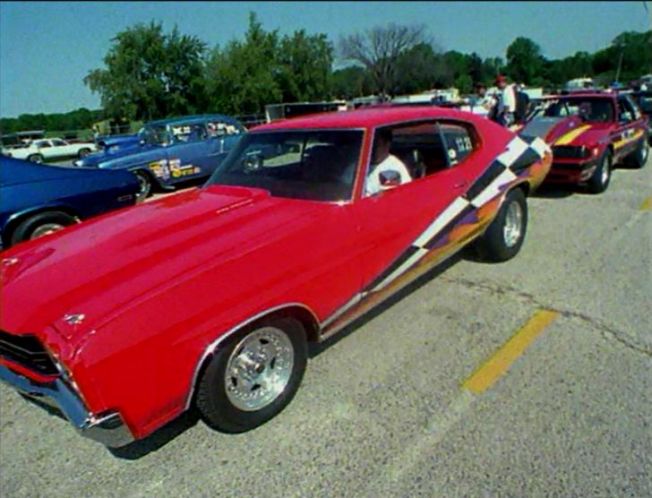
(38, 199)
(170, 151)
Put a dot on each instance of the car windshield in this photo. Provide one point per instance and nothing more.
(593, 110)
(154, 135)
(315, 165)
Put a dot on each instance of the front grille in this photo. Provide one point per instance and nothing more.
(568, 152)
(27, 351)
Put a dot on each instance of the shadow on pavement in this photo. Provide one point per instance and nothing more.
(159, 438)
(555, 191)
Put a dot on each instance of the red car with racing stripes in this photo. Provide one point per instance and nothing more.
(210, 297)
(590, 133)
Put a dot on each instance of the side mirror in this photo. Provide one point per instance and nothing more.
(390, 178)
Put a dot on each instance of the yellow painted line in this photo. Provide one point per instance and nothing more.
(572, 135)
(647, 205)
(485, 376)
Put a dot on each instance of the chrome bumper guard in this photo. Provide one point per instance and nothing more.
(108, 429)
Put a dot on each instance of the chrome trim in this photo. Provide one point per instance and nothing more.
(350, 304)
(108, 428)
(210, 349)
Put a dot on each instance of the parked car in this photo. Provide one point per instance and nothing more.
(51, 149)
(590, 133)
(209, 297)
(112, 143)
(38, 199)
(171, 151)
(644, 100)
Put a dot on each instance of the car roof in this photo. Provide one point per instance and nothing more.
(366, 118)
(196, 118)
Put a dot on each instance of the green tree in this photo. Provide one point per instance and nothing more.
(351, 81)
(150, 74)
(243, 78)
(524, 61)
(305, 67)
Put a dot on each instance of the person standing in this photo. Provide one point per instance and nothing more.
(483, 103)
(506, 102)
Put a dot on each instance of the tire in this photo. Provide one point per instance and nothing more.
(41, 224)
(638, 158)
(601, 177)
(505, 235)
(145, 185)
(83, 153)
(35, 158)
(233, 409)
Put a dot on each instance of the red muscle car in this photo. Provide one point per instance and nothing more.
(590, 132)
(209, 297)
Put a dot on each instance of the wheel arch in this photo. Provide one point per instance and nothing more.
(299, 311)
(17, 218)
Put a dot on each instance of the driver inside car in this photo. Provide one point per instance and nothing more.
(383, 161)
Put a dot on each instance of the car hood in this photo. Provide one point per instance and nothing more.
(102, 266)
(128, 149)
(564, 131)
(16, 172)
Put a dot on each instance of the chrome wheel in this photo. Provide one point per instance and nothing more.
(259, 369)
(513, 224)
(45, 229)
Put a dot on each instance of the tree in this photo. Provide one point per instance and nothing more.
(305, 67)
(417, 69)
(350, 82)
(378, 51)
(524, 60)
(264, 69)
(150, 74)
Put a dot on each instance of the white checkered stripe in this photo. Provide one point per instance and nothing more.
(518, 155)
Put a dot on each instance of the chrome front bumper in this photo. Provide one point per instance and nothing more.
(108, 428)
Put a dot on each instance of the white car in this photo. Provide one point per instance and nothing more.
(50, 149)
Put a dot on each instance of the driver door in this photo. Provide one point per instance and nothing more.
(399, 226)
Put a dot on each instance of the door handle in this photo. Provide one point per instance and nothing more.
(460, 184)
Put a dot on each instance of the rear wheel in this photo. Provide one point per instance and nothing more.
(639, 157)
(145, 185)
(504, 236)
(35, 158)
(601, 177)
(41, 224)
(254, 376)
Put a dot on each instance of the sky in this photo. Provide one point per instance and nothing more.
(46, 48)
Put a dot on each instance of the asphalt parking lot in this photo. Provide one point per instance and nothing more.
(527, 378)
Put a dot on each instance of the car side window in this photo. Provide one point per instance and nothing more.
(427, 148)
(58, 143)
(43, 144)
(626, 111)
(222, 129)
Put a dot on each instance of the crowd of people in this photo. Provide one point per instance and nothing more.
(507, 107)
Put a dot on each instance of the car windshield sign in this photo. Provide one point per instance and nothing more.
(313, 165)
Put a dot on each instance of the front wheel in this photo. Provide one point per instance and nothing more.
(83, 153)
(600, 178)
(504, 236)
(253, 377)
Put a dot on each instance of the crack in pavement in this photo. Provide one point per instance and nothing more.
(605, 330)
